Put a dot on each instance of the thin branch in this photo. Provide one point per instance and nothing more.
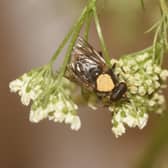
(142, 4)
(88, 23)
(101, 39)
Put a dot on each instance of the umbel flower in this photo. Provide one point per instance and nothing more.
(49, 97)
(30, 85)
(145, 81)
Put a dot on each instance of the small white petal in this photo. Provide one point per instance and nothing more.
(58, 117)
(150, 90)
(37, 115)
(143, 121)
(156, 84)
(148, 64)
(157, 69)
(113, 61)
(69, 118)
(149, 70)
(161, 100)
(155, 78)
(142, 91)
(130, 120)
(164, 75)
(92, 106)
(71, 106)
(137, 77)
(126, 69)
(149, 82)
(118, 117)
(142, 57)
(76, 123)
(151, 103)
(118, 130)
(25, 99)
(15, 85)
(59, 106)
(131, 62)
(133, 89)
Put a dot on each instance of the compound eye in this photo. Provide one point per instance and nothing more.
(94, 73)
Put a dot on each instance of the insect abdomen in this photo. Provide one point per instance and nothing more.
(119, 91)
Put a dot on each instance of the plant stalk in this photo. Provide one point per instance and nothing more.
(101, 39)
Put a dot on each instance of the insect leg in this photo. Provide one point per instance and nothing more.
(113, 76)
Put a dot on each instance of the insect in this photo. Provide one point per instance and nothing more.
(88, 69)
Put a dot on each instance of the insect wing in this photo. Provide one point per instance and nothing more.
(83, 48)
(86, 63)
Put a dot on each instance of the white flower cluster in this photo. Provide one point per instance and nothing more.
(145, 81)
(30, 85)
(20, 86)
(49, 99)
(58, 108)
(131, 113)
(141, 74)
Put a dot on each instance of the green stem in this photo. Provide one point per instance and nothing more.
(89, 6)
(142, 4)
(155, 41)
(161, 56)
(164, 7)
(101, 39)
(88, 23)
(160, 41)
(160, 35)
(165, 32)
(65, 40)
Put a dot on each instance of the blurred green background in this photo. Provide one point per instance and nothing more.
(30, 31)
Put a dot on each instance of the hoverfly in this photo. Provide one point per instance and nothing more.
(88, 69)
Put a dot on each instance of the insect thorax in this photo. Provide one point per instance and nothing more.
(104, 83)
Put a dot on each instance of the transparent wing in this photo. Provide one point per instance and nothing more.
(85, 65)
(83, 48)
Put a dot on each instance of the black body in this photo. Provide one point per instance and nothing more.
(118, 91)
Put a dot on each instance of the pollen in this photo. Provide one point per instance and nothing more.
(104, 83)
